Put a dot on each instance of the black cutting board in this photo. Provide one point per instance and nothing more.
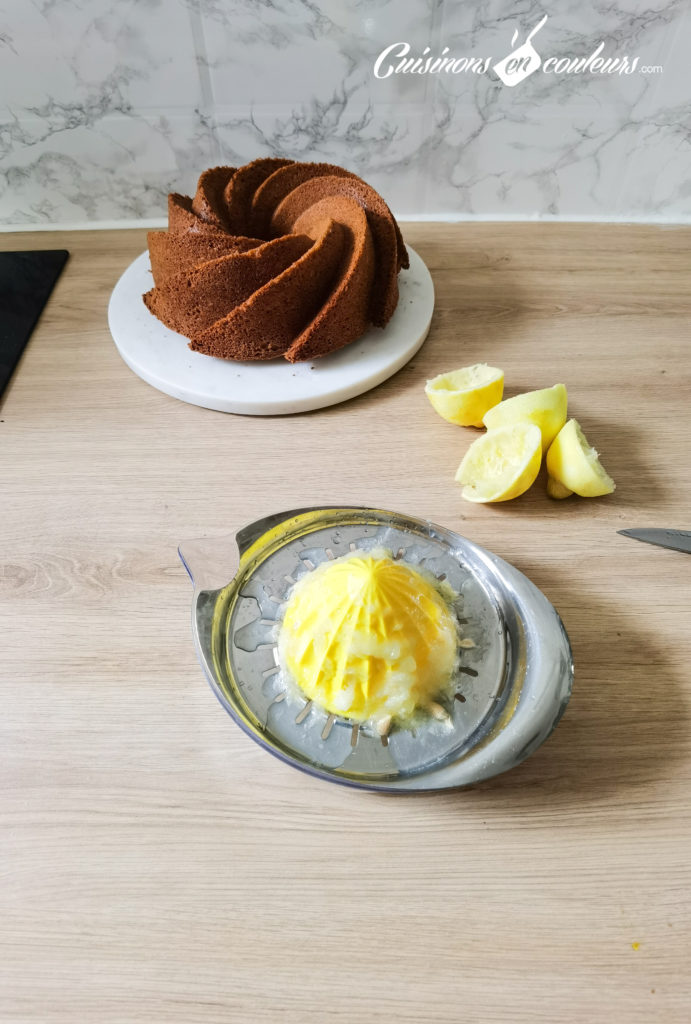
(26, 281)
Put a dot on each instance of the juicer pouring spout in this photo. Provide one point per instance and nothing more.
(211, 562)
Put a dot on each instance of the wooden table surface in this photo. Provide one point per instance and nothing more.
(158, 866)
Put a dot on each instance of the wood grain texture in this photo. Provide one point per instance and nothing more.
(157, 865)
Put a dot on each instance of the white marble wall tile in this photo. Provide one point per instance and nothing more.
(304, 53)
(105, 107)
(317, 61)
(654, 145)
(383, 143)
(78, 60)
(551, 146)
(120, 169)
(101, 108)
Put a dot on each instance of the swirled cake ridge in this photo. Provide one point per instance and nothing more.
(276, 258)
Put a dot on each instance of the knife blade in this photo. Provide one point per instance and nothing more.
(677, 540)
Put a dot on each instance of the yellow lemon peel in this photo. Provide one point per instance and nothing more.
(573, 466)
(545, 408)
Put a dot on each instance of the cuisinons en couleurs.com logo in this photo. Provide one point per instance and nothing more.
(522, 61)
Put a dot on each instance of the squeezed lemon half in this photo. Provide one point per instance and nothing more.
(573, 466)
(501, 464)
(464, 396)
(545, 408)
(368, 637)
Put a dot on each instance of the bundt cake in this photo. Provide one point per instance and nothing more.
(276, 258)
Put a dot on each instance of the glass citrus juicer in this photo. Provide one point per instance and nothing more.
(510, 685)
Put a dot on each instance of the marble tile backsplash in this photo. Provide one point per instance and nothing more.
(106, 107)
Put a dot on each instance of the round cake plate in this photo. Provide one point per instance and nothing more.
(163, 358)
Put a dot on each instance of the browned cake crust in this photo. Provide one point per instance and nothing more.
(276, 258)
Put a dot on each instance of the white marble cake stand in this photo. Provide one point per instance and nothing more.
(162, 358)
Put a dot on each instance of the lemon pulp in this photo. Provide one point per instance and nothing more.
(365, 636)
(501, 464)
(464, 396)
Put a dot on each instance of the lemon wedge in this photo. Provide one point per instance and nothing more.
(545, 408)
(464, 396)
(501, 464)
(573, 466)
(365, 636)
